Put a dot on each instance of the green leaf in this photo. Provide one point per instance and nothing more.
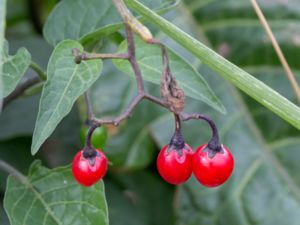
(131, 199)
(238, 77)
(73, 19)
(14, 67)
(188, 78)
(272, 127)
(54, 197)
(95, 36)
(66, 81)
(76, 19)
(2, 31)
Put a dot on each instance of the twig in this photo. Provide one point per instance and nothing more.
(20, 90)
(277, 48)
(156, 100)
(89, 136)
(177, 123)
(133, 61)
(89, 56)
(124, 115)
(11, 170)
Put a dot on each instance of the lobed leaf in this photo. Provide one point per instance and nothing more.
(79, 20)
(54, 197)
(150, 62)
(66, 81)
(14, 67)
(131, 199)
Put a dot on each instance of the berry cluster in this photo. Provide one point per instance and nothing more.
(212, 163)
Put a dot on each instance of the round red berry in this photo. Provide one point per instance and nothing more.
(175, 166)
(87, 171)
(212, 170)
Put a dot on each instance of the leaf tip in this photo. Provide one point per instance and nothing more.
(35, 146)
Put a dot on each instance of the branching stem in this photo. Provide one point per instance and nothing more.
(133, 61)
(173, 97)
(79, 57)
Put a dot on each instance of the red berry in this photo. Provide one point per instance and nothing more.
(89, 171)
(175, 166)
(212, 171)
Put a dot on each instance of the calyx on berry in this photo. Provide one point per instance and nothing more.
(89, 167)
(212, 168)
(212, 162)
(213, 147)
(90, 164)
(174, 162)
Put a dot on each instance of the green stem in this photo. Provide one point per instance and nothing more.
(33, 90)
(40, 72)
(238, 77)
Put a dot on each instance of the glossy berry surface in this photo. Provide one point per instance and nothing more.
(87, 173)
(99, 136)
(212, 171)
(175, 166)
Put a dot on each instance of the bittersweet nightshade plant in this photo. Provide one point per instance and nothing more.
(126, 120)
